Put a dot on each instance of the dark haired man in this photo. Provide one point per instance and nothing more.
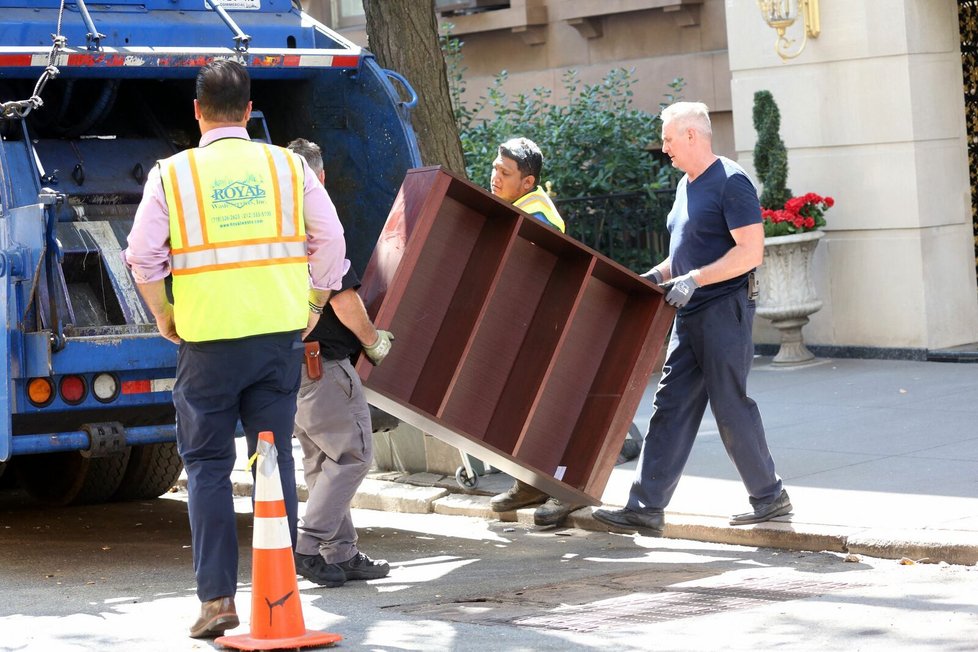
(255, 249)
(332, 424)
(515, 178)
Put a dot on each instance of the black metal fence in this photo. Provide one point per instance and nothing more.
(968, 24)
(629, 228)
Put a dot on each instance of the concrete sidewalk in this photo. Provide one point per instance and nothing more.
(880, 458)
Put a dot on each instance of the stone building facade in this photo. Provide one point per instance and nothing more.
(872, 113)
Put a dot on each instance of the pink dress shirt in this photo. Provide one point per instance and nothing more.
(148, 254)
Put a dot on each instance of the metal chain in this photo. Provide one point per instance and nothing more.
(20, 108)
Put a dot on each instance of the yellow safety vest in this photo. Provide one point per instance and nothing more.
(537, 203)
(237, 239)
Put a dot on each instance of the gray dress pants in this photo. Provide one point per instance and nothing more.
(332, 424)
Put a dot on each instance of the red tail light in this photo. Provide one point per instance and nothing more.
(72, 389)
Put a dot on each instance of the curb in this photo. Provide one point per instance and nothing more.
(430, 493)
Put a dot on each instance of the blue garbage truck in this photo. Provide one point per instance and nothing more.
(91, 96)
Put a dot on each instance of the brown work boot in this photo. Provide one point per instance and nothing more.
(553, 512)
(519, 495)
(216, 616)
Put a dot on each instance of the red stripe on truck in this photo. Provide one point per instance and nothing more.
(15, 60)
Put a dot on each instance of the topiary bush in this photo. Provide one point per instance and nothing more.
(770, 155)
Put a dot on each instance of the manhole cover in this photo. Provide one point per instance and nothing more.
(629, 600)
(674, 603)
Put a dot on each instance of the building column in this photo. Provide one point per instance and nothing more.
(872, 114)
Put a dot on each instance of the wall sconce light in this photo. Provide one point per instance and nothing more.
(781, 14)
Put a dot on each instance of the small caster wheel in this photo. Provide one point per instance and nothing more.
(465, 480)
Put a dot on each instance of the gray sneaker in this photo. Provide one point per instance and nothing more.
(553, 512)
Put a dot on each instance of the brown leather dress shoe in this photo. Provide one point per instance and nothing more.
(216, 616)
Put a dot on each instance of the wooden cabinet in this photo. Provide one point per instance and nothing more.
(514, 343)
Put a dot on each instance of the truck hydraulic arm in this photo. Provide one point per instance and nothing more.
(240, 37)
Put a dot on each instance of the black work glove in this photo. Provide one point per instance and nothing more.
(680, 290)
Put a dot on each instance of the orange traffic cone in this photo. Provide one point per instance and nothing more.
(276, 612)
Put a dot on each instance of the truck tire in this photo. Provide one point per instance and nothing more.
(70, 478)
(152, 470)
(7, 480)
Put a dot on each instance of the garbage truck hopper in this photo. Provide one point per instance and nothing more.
(85, 398)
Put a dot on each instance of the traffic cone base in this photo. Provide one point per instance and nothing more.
(309, 639)
(276, 611)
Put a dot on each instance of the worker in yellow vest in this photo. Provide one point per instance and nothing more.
(515, 178)
(515, 175)
(255, 248)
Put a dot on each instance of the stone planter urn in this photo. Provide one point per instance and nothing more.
(787, 292)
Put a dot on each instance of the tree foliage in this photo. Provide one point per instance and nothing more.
(770, 155)
(595, 142)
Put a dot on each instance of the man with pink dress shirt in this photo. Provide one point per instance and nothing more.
(255, 248)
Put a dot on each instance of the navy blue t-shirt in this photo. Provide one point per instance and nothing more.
(721, 199)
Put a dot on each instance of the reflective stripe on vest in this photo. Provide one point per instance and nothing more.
(538, 204)
(190, 211)
(237, 239)
(229, 256)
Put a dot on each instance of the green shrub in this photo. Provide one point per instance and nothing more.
(595, 143)
(770, 155)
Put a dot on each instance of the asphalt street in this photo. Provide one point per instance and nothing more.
(119, 577)
(879, 457)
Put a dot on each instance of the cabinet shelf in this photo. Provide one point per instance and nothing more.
(515, 343)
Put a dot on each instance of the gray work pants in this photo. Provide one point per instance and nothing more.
(332, 423)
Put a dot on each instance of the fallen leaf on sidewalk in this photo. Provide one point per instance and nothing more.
(907, 562)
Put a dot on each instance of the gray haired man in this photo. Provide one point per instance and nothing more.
(332, 424)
